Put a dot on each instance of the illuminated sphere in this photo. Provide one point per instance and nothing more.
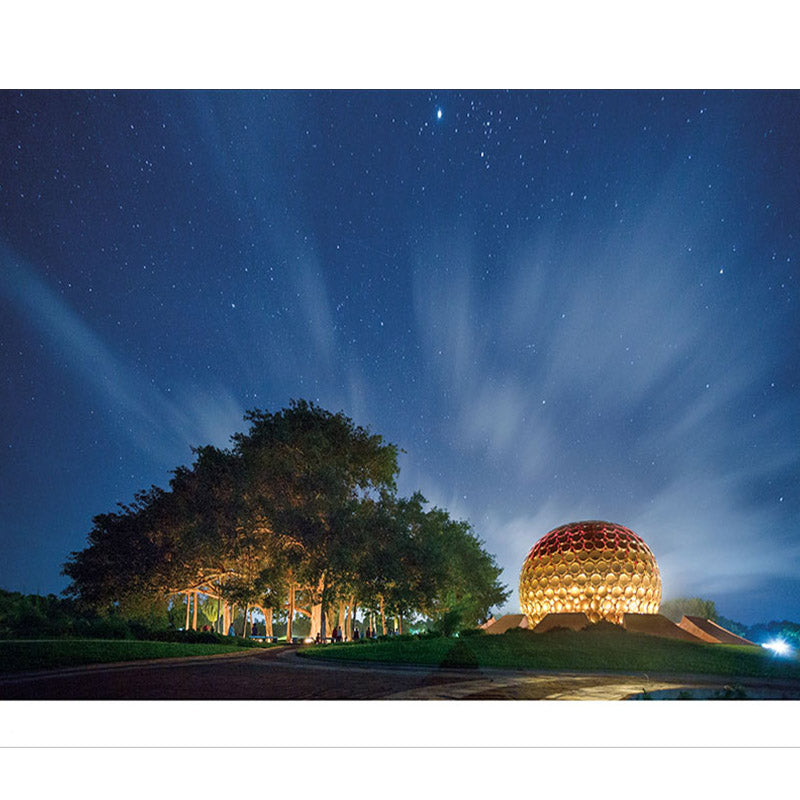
(599, 568)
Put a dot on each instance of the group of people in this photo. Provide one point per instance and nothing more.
(338, 636)
(336, 633)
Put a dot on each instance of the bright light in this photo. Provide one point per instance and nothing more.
(438, 113)
(778, 646)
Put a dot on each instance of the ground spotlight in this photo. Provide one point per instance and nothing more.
(779, 647)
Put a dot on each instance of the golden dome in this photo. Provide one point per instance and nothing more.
(598, 568)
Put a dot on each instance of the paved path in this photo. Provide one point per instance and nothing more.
(280, 674)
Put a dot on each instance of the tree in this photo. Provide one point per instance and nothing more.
(413, 560)
(690, 606)
(303, 469)
(466, 577)
(300, 509)
(128, 556)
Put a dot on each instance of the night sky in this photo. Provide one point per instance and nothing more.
(562, 306)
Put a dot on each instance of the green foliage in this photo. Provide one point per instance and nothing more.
(586, 650)
(24, 656)
(690, 606)
(449, 621)
(762, 632)
(603, 626)
(35, 617)
(304, 498)
(471, 632)
(460, 656)
(732, 626)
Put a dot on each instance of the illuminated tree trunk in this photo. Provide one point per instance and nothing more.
(383, 617)
(290, 613)
(188, 604)
(350, 611)
(268, 622)
(342, 612)
(400, 624)
(329, 618)
(246, 621)
(316, 608)
(194, 612)
(316, 620)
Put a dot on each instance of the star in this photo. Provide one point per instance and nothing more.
(438, 113)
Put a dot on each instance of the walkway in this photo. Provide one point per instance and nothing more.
(280, 674)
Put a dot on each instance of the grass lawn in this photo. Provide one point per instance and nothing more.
(23, 656)
(581, 651)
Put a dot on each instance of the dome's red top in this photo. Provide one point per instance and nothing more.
(587, 535)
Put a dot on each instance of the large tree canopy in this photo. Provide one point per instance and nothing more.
(301, 505)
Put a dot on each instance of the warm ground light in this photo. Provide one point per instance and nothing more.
(585, 651)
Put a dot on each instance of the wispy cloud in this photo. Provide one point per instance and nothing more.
(162, 424)
(596, 380)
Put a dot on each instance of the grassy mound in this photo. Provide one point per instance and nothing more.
(25, 656)
(591, 650)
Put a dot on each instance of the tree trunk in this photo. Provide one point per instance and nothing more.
(268, 622)
(350, 624)
(188, 605)
(316, 620)
(316, 608)
(342, 617)
(290, 614)
(246, 621)
(383, 617)
(329, 617)
(400, 624)
(194, 612)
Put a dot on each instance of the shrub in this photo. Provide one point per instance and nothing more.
(460, 656)
(604, 626)
(450, 622)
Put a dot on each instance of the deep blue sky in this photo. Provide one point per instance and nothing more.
(562, 306)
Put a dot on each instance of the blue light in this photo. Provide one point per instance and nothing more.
(438, 113)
